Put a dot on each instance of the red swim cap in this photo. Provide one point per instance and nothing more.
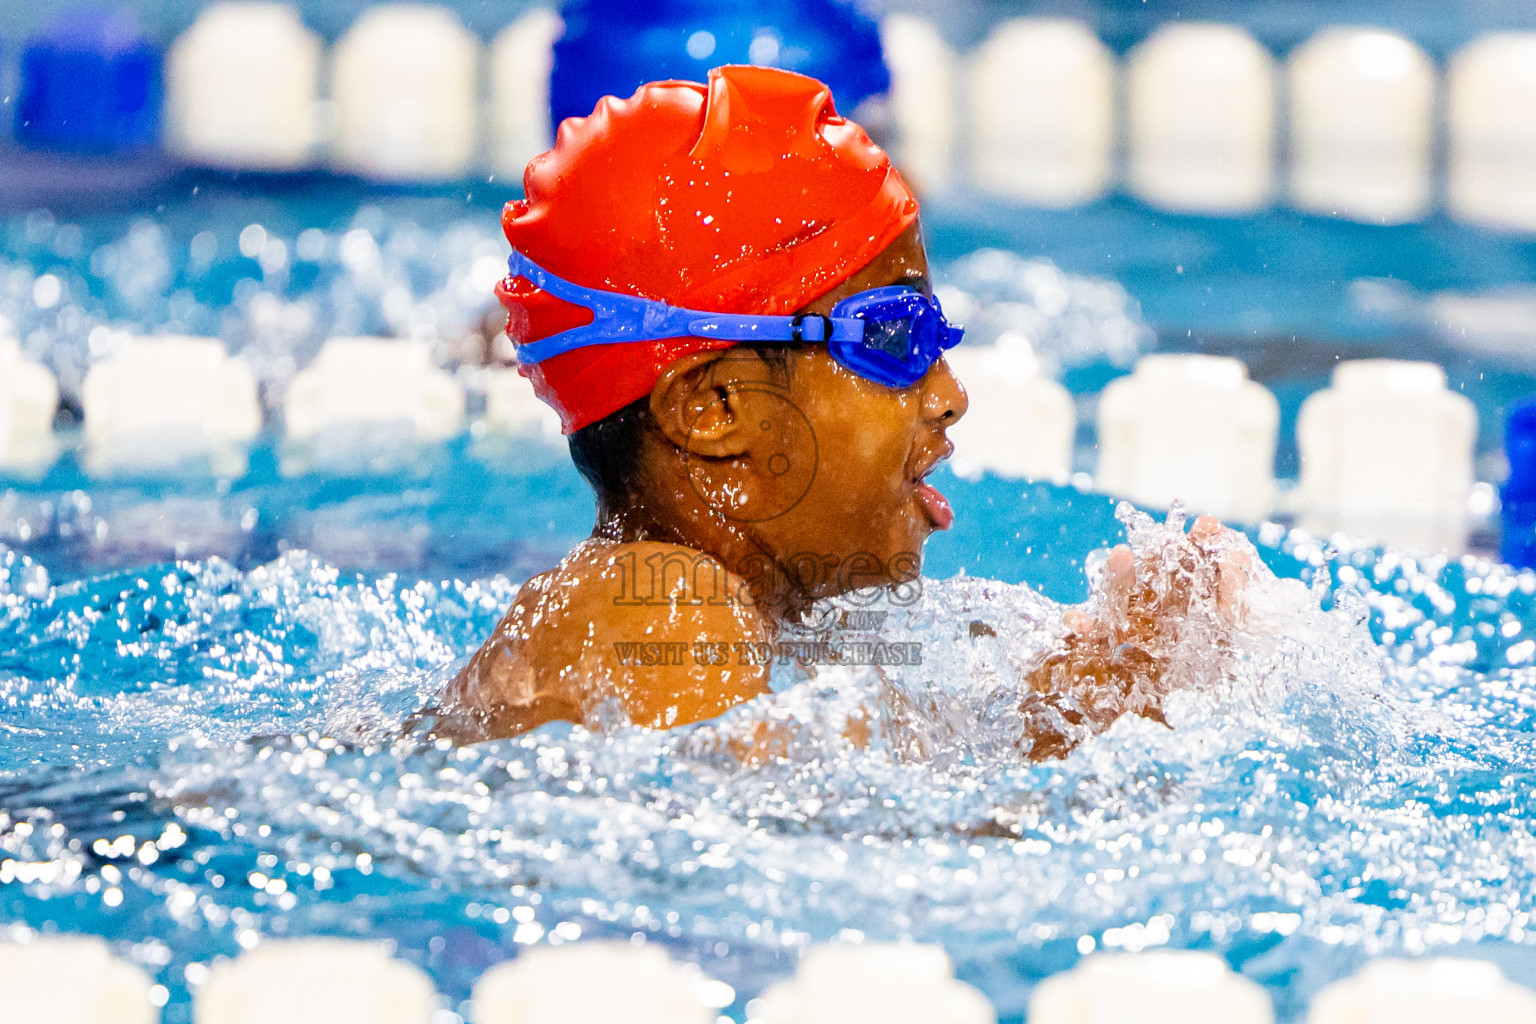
(748, 195)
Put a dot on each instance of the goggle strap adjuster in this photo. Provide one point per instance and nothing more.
(797, 327)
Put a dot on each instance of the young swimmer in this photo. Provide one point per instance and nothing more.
(723, 292)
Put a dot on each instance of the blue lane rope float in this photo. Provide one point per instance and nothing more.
(90, 83)
(614, 46)
(1519, 491)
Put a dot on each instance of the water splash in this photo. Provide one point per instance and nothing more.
(260, 275)
(198, 756)
(1069, 320)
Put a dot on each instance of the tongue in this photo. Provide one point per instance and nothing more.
(937, 506)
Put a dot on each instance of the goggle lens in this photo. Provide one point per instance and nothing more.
(905, 333)
(892, 337)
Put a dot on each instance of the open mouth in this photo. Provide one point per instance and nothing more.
(935, 506)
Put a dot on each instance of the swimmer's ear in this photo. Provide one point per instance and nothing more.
(698, 402)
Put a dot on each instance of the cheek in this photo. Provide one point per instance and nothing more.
(864, 433)
(875, 451)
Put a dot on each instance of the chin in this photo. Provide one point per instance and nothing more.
(908, 540)
(914, 543)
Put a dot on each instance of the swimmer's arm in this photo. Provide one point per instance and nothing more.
(500, 692)
(1116, 654)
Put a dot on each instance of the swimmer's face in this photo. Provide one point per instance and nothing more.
(824, 472)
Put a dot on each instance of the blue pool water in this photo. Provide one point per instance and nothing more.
(202, 682)
(170, 780)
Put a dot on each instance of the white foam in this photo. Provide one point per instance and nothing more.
(1491, 108)
(875, 983)
(1019, 423)
(315, 981)
(1162, 987)
(593, 983)
(371, 381)
(404, 84)
(72, 979)
(1362, 107)
(159, 400)
(1393, 991)
(1386, 455)
(1042, 124)
(1201, 111)
(242, 86)
(29, 397)
(923, 101)
(1190, 428)
(521, 58)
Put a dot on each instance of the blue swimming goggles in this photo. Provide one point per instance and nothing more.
(889, 335)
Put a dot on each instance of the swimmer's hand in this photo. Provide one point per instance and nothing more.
(1214, 563)
(1118, 654)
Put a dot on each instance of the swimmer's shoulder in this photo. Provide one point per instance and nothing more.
(637, 575)
(645, 592)
(661, 626)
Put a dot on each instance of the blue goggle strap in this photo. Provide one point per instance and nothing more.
(618, 319)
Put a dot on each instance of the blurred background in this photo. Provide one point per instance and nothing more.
(1439, 25)
(1272, 258)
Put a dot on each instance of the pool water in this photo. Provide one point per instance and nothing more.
(198, 755)
(202, 683)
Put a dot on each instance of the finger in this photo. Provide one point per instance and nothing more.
(1206, 527)
(1119, 577)
(1120, 566)
(1208, 530)
(1119, 585)
(1238, 559)
(1234, 571)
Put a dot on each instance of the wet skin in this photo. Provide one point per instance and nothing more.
(758, 492)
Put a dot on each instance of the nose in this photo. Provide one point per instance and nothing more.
(944, 399)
